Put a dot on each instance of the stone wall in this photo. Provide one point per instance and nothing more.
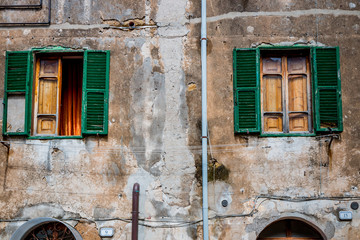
(155, 123)
(297, 167)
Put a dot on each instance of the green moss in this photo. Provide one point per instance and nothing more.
(216, 170)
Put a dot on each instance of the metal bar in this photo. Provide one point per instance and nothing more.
(135, 212)
(30, 23)
(22, 6)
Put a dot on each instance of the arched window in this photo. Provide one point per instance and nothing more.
(53, 230)
(290, 229)
(46, 229)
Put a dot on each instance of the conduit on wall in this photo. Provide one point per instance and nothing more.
(27, 7)
(204, 122)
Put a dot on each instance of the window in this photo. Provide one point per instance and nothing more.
(46, 228)
(60, 93)
(293, 91)
(52, 230)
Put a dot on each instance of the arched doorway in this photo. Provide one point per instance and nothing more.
(46, 229)
(290, 229)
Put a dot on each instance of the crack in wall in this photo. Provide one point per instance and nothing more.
(130, 24)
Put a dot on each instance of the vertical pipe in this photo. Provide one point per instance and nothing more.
(204, 122)
(135, 212)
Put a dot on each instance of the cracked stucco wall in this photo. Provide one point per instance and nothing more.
(154, 122)
(287, 166)
(93, 178)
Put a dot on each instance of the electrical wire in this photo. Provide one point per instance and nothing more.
(177, 223)
(218, 148)
(305, 199)
(187, 223)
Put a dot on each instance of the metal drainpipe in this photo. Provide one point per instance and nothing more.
(135, 212)
(204, 122)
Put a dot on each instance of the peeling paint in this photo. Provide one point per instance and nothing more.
(155, 124)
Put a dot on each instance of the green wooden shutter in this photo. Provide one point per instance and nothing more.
(17, 98)
(95, 92)
(246, 90)
(327, 89)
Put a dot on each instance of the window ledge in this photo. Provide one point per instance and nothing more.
(55, 137)
(287, 135)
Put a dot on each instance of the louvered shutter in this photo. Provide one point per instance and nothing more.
(246, 90)
(17, 98)
(327, 89)
(95, 92)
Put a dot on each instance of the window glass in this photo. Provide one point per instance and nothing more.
(16, 113)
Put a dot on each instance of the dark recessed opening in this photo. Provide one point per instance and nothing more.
(131, 24)
(354, 205)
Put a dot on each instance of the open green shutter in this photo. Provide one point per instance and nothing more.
(95, 92)
(17, 99)
(327, 89)
(246, 90)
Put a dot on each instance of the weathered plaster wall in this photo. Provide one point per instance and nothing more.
(155, 122)
(147, 142)
(287, 166)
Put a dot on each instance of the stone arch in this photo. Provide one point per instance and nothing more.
(306, 224)
(24, 230)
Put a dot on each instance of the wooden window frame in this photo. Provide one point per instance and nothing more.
(285, 78)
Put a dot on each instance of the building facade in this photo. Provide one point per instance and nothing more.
(99, 95)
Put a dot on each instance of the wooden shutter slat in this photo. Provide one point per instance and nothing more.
(246, 90)
(327, 89)
(95, 92)
(18, 71)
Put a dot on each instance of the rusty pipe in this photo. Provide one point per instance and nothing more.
(135, 212)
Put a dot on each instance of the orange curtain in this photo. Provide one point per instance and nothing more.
(70, 116)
